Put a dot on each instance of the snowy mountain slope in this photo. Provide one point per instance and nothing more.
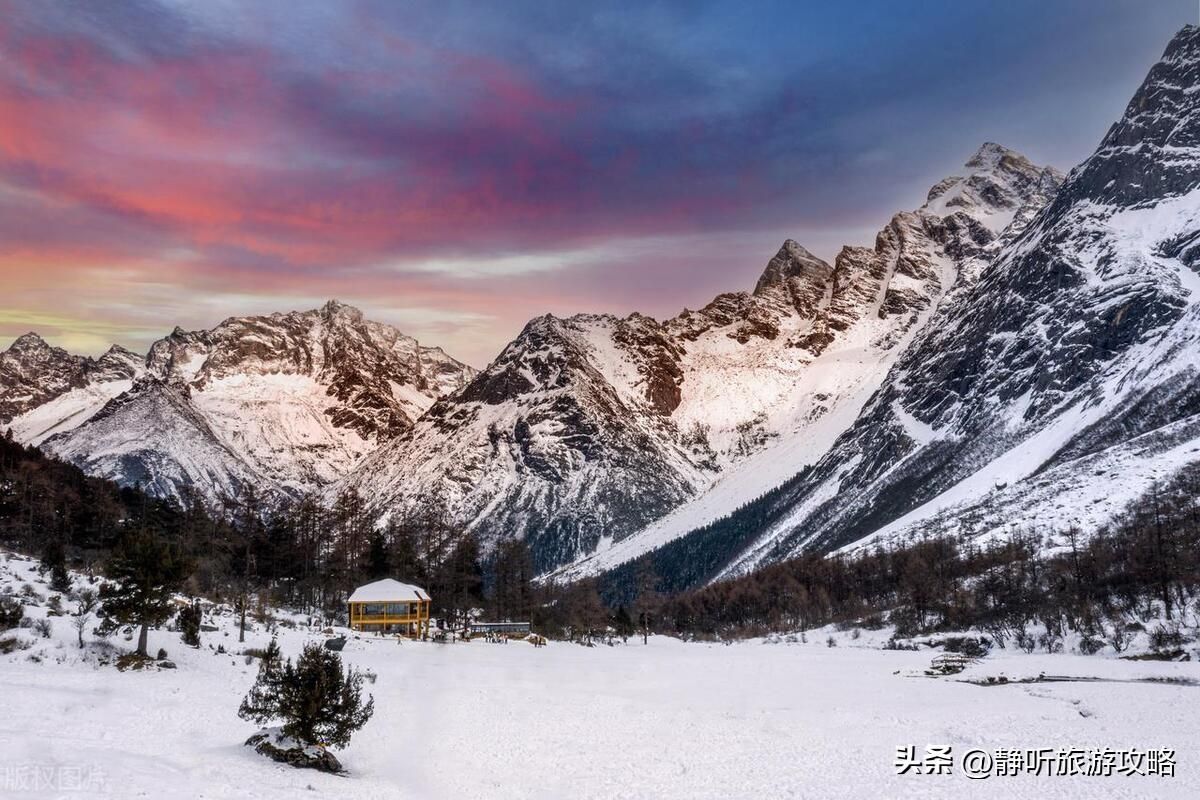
(154, 436)
(289, 401)
(565, 435)
(45, 390)
(1057, 386)
(878, 300)
(589, 429)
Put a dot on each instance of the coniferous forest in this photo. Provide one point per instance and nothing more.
(309, 557)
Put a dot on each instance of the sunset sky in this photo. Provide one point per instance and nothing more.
(457, 168)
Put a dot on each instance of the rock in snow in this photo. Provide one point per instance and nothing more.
(277, 746)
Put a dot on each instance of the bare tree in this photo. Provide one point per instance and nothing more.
(86, 603)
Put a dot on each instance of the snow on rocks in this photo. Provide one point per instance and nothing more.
(287, 403)
(275, 745)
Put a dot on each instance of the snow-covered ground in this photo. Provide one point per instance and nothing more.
(749, 720)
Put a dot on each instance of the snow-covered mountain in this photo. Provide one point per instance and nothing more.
(587, 430)
(45, 390)
(1055, 387)
(287, 402)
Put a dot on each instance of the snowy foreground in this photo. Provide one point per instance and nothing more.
(669, 719)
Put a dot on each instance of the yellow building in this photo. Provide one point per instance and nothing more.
(389, 606)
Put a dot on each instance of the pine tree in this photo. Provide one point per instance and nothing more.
(261, 703)
(512, 580)
(377, 557)
(54, 558)
(318, 700)
(144, 572)
(189, 624)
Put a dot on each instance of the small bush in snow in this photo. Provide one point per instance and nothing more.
(1121, 637)
(1165, 637)
(968, 645)
(11, 612)
(42, 627)
(831, 642)
(190, 618)
(1052, 642)
(1089, 646)
(162, 654)
(318, 700)
(874, 622)
(895, 644)
(11, 644)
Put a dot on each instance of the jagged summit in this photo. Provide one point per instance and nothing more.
(794, 268)
(335, 309)
(35, 375)
(996, 184)
(28, 341)
(989, 155)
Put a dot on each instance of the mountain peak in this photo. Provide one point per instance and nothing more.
(1184, 45)
(791, 261)
(1151, 152)
(989, 154)
(336, 309)
(28, 342)
(997, 182)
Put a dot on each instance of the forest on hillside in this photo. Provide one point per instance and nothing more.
(309, 557)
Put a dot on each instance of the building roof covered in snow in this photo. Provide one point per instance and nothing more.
(387, 590)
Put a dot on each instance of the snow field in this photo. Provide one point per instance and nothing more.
(667, 720)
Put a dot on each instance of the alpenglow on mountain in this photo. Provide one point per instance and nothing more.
(286, 403)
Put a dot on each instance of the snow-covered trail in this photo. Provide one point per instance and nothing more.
(664, 720)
